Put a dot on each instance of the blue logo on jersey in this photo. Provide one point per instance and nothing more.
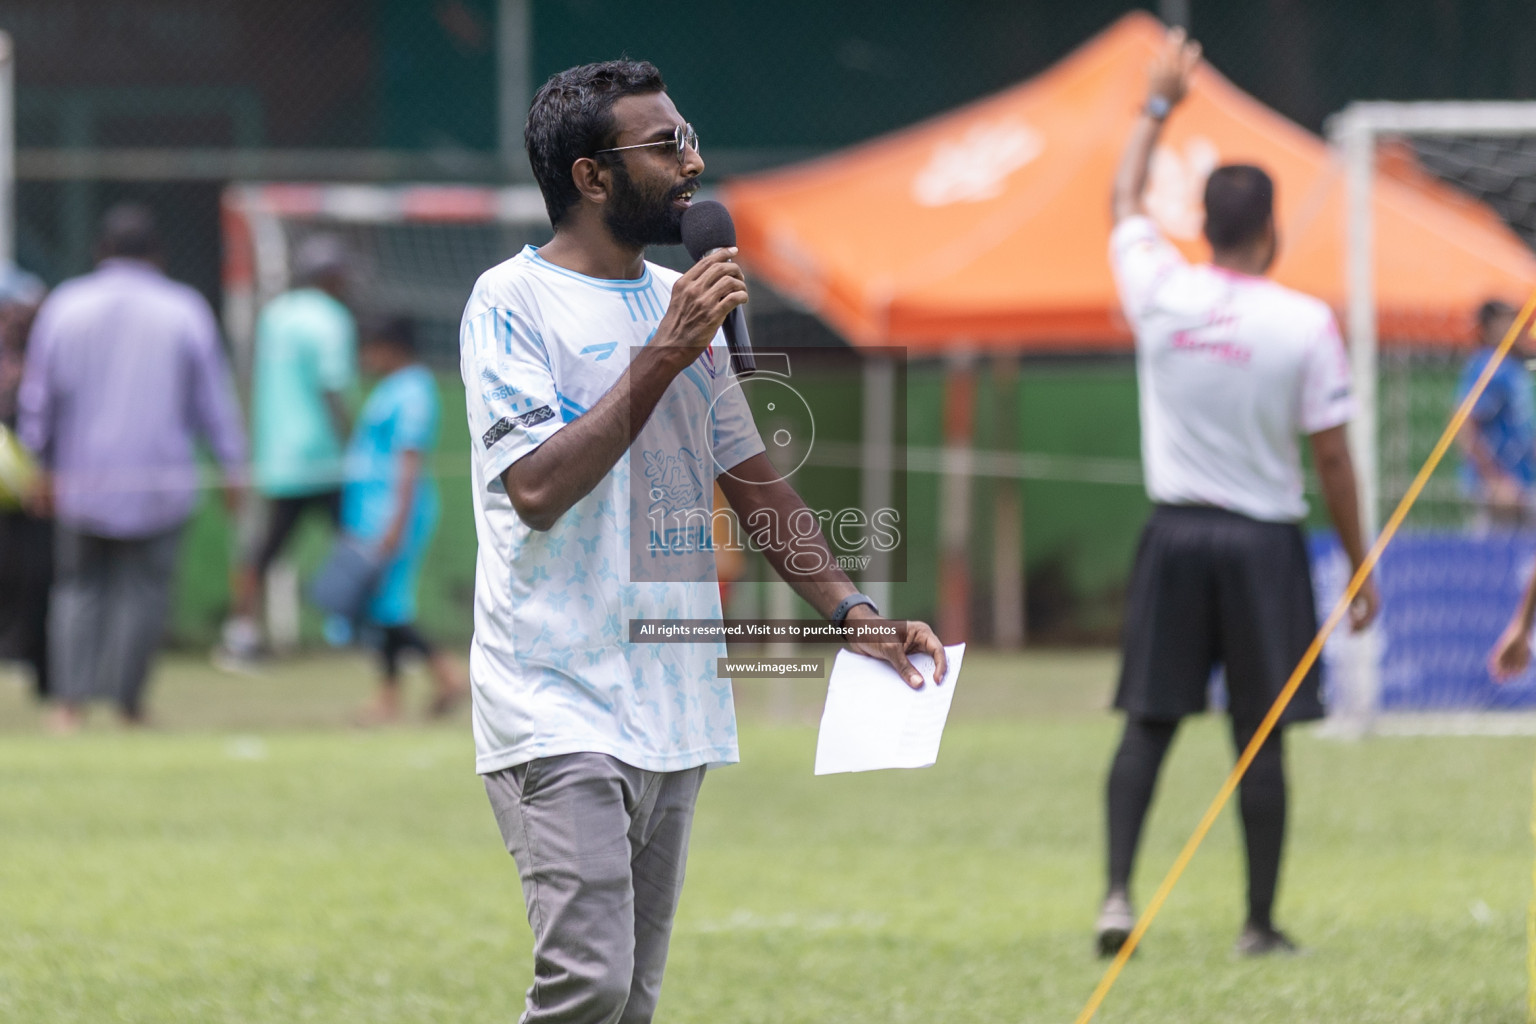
(603, 350)
(500, 394)
(679, 513)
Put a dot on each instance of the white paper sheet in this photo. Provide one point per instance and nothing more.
(874, 720)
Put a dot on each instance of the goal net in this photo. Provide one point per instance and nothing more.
(417, 249)
(1453, 576)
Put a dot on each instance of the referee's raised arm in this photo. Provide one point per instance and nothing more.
(1168, 81)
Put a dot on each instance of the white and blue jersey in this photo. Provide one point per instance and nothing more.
(551, 666)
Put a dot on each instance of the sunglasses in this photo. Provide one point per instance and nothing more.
(684, 138)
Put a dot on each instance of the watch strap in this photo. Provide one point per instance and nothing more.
(848, 604)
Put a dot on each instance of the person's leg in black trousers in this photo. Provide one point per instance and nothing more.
(1132, 783)
(1262, 804)
(395, 641)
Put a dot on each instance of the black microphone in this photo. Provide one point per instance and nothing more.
(706, 227)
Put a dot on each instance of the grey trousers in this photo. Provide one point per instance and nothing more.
(110, 601)
(600, 847)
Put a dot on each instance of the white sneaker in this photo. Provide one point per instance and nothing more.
(239, 647)
(1117, 919)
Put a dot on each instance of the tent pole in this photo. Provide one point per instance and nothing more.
(954, 617)
(876, 481)
(514, 71)
(7, 151)
(1008, 627)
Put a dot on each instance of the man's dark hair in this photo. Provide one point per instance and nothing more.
(394, 330)
(128, 229)
(1491, 311)
(572, 117)
(1239, 204)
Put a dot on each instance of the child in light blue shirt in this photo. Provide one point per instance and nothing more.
(390, 503)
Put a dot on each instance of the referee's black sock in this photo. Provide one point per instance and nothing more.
(1262, 801)
(1132, 780)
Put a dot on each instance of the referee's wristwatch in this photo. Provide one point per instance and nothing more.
(848, 604)
(1158, 108)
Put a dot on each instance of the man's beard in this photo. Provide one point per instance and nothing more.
(637, 217)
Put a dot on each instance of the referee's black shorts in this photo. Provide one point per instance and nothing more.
(1214, 587)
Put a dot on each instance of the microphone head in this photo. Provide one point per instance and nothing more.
(707, 225)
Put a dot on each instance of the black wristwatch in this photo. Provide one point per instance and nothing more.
(848, 604)
(1158, 108)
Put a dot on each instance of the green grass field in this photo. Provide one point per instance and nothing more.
(253, 859)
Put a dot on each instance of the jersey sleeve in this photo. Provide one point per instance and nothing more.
(509, 387)
(733, 432)
(336, 351)
(1327, 397)
(1142, 260)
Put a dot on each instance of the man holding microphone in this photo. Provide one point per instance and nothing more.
(596, 384)
(1232, 368)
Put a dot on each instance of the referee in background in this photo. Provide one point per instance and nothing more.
(1232, 368)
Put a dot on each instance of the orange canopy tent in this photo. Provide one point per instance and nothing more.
(986, 228)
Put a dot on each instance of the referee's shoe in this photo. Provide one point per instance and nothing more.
(1258, 940)
(1116, 920)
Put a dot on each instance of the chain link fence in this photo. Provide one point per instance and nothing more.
(167, 100)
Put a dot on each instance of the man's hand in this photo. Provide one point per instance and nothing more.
(918, 638)
(1363, 609)
(701, 299)
(1167, 81)
(389, 544)
(1168, 75)
(1504, 493)
(233, 493)
(1512, 654)
(39, 497)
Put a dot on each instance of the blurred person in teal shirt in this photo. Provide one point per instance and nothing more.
(305, 370)
(390, 503)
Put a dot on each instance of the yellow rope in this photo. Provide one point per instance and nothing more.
(1294, 683)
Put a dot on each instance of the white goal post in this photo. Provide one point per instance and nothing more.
(7, 151)
(1355, 133)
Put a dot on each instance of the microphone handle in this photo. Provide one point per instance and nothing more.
(737, 340)
(739, 343)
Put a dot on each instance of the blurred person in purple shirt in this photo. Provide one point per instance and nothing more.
(125, 372)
